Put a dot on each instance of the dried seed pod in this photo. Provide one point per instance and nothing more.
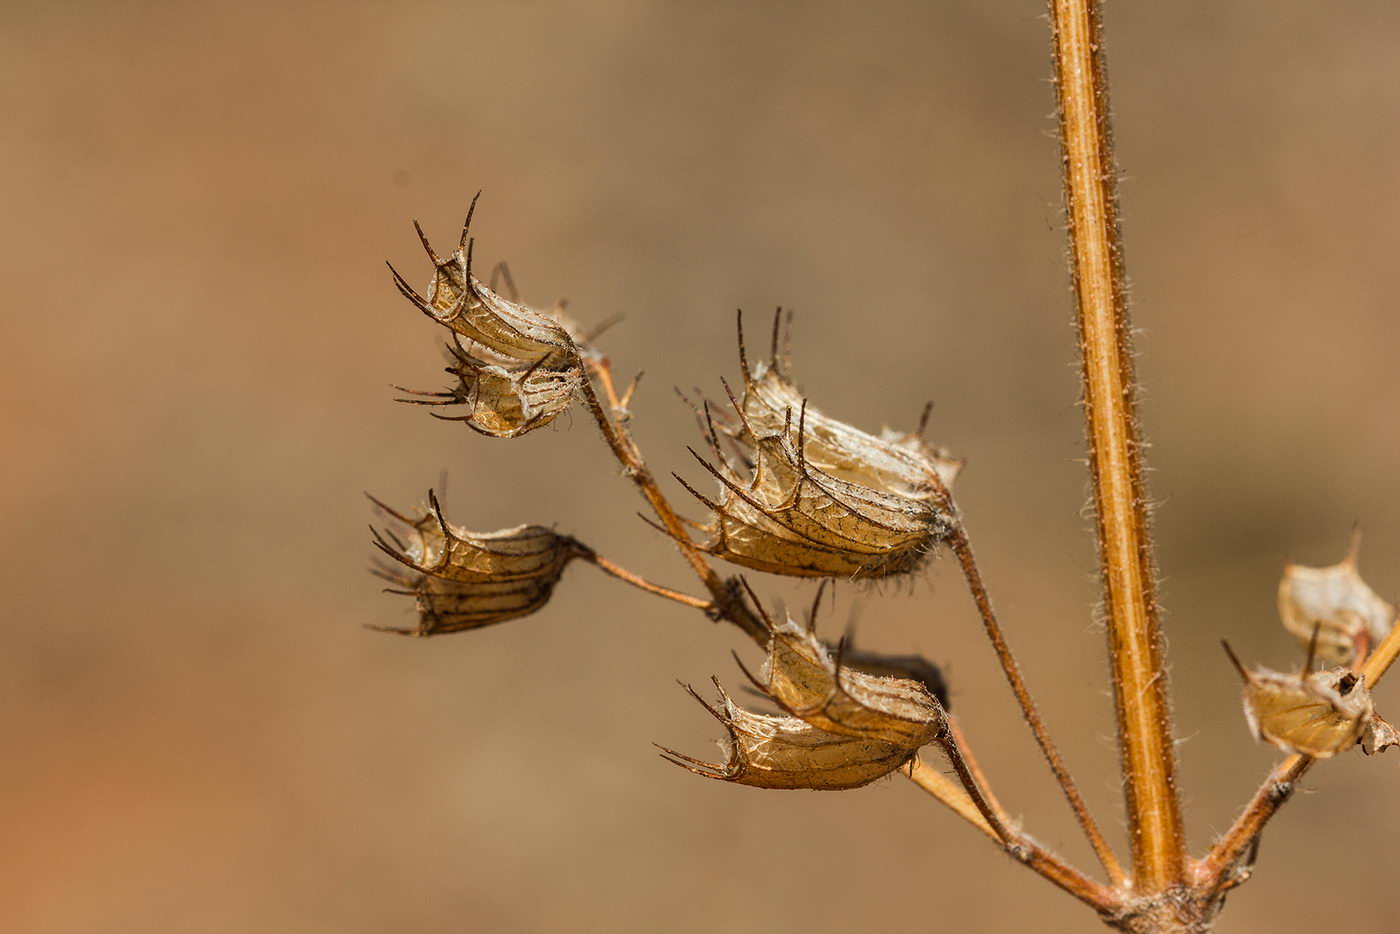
(503, 399)
(803, 678)
(784, 752)
(865, 508)
(895, 462)
(1315, 713)
(464, 580)
(1379, 736)
(1348, 615)
(517, 368)
(790, 518)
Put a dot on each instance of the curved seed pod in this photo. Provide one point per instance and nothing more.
(503, 399)
(517, 368)
(1348, 615)
(801, 676)
(896, 462)
(788, 517)
(464, 580)
(1315, 713)
(784, 752)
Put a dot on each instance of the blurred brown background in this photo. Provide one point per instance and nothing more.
(199, 334)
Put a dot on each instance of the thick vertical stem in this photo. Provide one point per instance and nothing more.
(1125, 547)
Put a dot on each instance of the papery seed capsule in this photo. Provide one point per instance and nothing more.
(1315, 713)
(1334, 601)
(464, 580)
(516, 368)
(801, 675)
(803, 494)
(784, 752)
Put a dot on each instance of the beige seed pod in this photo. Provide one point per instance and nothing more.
(804, 679)
(896, 462)
(1348, 615)
(805, 495)
(517, 368)
(767, 751)
(1315, 713)
(787, 517)
(465, 580)
(503, 399)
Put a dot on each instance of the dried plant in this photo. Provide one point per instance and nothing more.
(799, 493)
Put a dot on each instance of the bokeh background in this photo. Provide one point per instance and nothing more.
(199, 336)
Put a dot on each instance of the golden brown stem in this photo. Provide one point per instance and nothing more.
(975, 769)
(963, 549)
(972, 804)
(1214, 872)
(724, 602)
(1125, 546)
(641, 583)
(950, 793)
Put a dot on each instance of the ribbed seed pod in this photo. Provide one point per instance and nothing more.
(1315, 713)
(516, 368)
(465, 580)
(803, 678)
(784, 752)
(844, 728)
(1334, 601)
(895, 462)
(806, 495)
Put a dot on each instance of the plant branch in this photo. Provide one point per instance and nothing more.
(725, 602)
(962, 547)
(950, 793)
(972, 803)
(1214, 871)
(1125, 545)
(641, 583)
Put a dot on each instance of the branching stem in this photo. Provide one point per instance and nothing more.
(724, 602)
(1215, 870)
(962, 547)
(973, 804)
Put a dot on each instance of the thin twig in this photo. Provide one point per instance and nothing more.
(962, 547)
(1125, 544)
(641, 583)
(955, 730)
(1025, 850)
(1214, 870)
(950, 793)
(725, 602)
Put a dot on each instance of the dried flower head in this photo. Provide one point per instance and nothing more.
(895, 462)
(464, 580)
(516, 368)
(805, 679)
(768, 751)
(1315, 713)
(844, 728)
(1348, 615)
(803, 494)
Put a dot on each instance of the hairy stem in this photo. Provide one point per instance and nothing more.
(1125, 545)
